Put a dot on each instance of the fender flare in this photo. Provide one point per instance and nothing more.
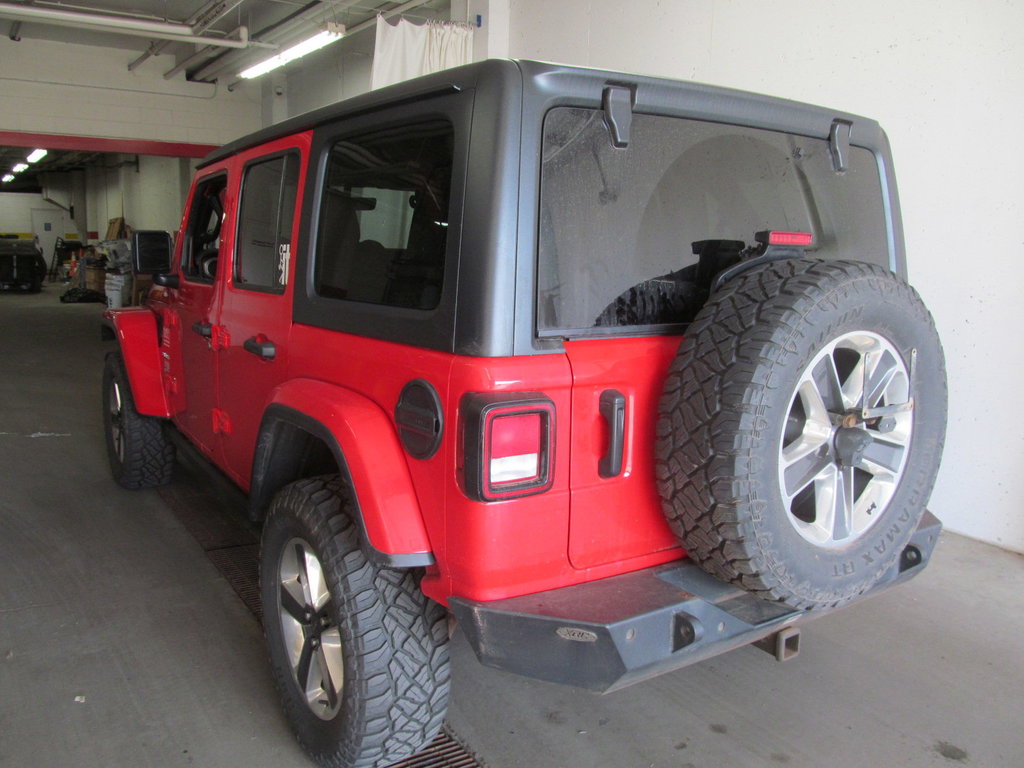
(136, 332)
(369, 456)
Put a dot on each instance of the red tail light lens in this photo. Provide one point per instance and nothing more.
(804, 239)
(508, 445)
(515, 446)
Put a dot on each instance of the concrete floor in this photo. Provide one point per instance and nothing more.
(121, 645)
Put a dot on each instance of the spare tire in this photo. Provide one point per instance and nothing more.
(770, 473)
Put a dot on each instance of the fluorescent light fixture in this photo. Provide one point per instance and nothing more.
(314, 43)
(8, 177)
(36, 155)
(19, 168)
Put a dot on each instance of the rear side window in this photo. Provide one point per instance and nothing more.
(384, 217)
(266, 213)
(618, 226)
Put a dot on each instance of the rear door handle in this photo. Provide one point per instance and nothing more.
(613, 409)
(261, 347)
(203, 329)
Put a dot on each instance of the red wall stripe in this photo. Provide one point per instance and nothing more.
(92, 144)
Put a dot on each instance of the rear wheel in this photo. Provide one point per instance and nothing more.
(358, 652)
(801, 427)
(139, 452)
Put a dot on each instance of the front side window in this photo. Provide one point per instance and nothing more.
(630, 238)
(384, 217)
(201, 249)
(265, 216)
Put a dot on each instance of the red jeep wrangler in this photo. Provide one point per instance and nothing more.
(619, 371)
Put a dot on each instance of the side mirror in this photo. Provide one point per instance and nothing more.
(151, 252)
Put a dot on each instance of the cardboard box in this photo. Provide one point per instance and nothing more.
(95, 279)
(142, 285)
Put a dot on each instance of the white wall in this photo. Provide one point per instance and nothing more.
(50, 87)
(946, 80)
(16, 212)
(149, 195)
(83, 90)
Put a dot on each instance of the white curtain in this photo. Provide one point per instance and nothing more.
(409, 50)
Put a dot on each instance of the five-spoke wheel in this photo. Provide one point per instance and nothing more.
(837, 469)
(310, 634)
(801, 427)
(359, 653)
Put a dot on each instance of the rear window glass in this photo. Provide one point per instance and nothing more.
(618, 226)
(263, 250)
(384, 217)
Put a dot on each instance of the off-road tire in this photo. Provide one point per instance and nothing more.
(139, 452)
(723, 416)
(393, 639)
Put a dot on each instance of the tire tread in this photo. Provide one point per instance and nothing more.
(149, 455)
(709, 414)
(395, 634)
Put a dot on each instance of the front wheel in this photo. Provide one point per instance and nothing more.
(139, 452)
(358, 652)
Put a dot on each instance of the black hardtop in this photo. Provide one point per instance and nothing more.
(554, 84)
(501, 112)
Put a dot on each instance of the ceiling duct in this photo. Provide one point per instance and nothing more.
(181, 33)
(200, 21)
(300, 21)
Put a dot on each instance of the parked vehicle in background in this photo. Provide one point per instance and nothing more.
(620, 372)
(22, 266)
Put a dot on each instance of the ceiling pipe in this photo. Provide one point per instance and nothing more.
(362, 26)
(186, 63)
(286, 31)
(162, 30)
(199, 22)
(216, 65)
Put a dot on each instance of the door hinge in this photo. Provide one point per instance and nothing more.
(219, 338)
(617, 102)
(221, 422)
(839, 144)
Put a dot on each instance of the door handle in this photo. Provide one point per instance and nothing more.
(613, 408)
(203, 329)
(261, 347)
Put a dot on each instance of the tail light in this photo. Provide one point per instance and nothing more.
(508, 444)
(772, 237)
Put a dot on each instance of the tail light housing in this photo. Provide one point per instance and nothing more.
(508, 444)
(773, 237)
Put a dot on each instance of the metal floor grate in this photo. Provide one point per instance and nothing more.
(240, 566)
(219, 525)
(444, 752)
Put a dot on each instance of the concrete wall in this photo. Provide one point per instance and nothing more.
(85, 90)
(16, 211)
(149, 194)
(326, 77)
(945, 79)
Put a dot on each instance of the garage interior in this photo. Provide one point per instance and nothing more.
(129, 634)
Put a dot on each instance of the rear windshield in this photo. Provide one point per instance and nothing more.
(619, 227)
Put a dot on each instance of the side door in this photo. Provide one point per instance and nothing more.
(194, 308)
(255, 316)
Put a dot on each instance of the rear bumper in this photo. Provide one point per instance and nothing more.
(608, 634)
